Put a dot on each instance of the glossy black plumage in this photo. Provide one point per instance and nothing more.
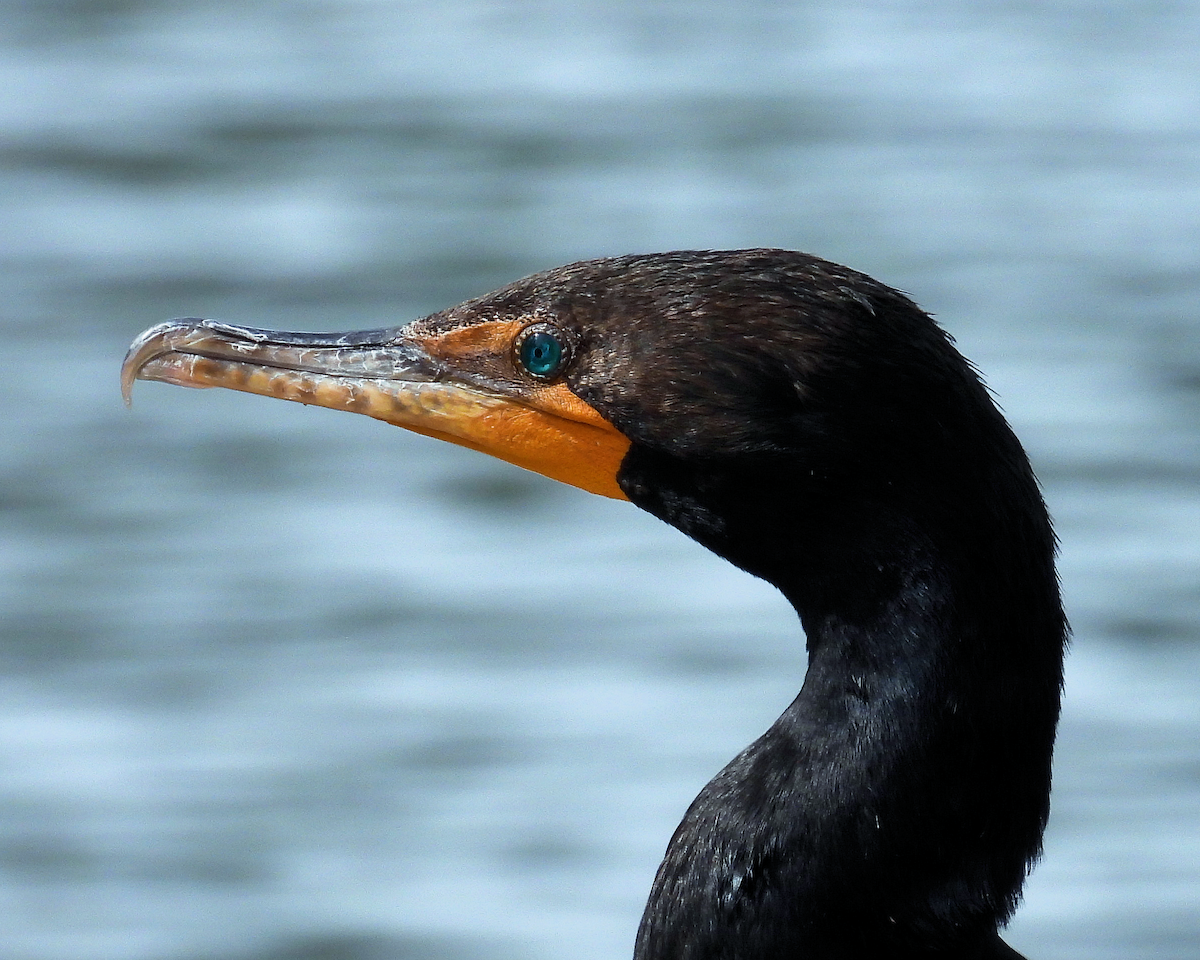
(816, 428)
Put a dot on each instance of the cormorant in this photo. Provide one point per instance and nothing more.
(816, 428)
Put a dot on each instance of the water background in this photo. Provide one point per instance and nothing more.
(284, 683)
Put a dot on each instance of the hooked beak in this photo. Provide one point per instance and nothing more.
(394, 376)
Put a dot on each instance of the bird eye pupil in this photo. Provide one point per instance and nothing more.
(541, 353)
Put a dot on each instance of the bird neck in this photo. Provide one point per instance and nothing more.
(896, 804)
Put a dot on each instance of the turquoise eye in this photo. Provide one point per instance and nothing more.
(542, 352)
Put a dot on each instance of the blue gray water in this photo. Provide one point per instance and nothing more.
(284, 683)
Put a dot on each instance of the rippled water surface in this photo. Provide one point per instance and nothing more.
(283, 683)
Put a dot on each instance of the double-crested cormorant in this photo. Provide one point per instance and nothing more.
(817, 429)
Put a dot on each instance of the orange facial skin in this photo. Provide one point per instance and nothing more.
(459, 385)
